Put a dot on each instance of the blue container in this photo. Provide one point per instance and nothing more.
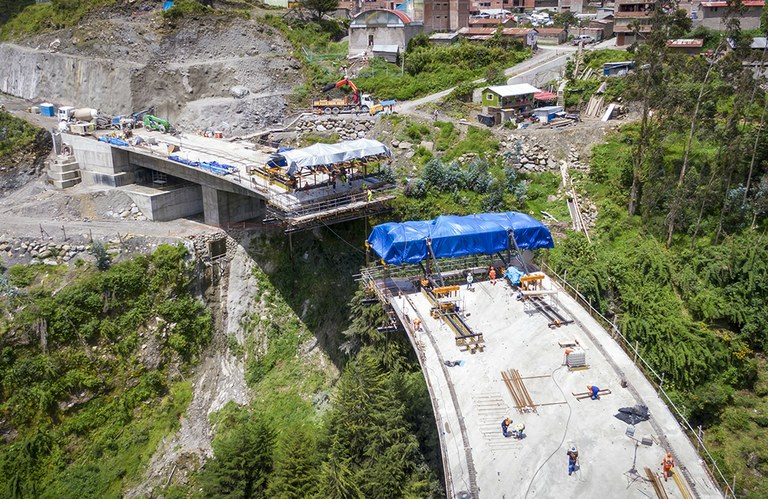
(167, 5)
(47, 110)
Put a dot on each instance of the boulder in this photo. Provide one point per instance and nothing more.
(239, 91)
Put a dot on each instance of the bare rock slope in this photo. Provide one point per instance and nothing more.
(121, 64)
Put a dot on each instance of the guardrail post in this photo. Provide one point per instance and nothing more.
(661, 384)
(637, 345)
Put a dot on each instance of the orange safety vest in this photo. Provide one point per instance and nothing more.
(668, 463)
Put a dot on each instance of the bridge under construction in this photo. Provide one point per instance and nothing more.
(521, 348)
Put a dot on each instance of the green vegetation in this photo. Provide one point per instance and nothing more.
(315, 44)
(288, 442)
(430, 68)
(184, 8)
(57, 14)
(697, 308)
(16, 136)
(578, 91)
(87, 383)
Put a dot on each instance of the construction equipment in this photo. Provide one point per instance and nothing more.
(386, 106)
(70, 113)
(155, 123)
(356, 103)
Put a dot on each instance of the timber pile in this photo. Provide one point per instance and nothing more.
(523, 401)
(595, 106)
(658, 486)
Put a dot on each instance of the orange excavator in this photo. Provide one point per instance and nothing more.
(356, 103)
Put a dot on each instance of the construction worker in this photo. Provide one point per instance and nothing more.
(470, 280)
(595, 392)
(492, 275)
(573, 458)
(417, 324)
(504, 425)
(667, 463)
(370, 195)
(518, 431)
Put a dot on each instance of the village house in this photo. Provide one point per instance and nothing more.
(504, 102)
(712, 14)
(690, 46)
(554, 36)
(382, 32)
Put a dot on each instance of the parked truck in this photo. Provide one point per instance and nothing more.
(355, 103)
(71, 113)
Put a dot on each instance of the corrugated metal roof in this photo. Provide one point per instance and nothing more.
(685, 42)
(512, 90)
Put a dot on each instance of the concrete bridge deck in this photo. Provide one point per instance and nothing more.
(471, 400)
(234, 196)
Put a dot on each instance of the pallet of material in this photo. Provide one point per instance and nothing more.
(560, 123)
(568, 343)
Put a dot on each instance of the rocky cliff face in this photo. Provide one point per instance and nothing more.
(237, 72)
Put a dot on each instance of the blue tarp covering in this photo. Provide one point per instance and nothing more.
(454, 236)
(513, 275)
(213, 166)
(113, 141)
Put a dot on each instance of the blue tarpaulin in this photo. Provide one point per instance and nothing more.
(513, 275)
(454, 236)
(113, 141)
(213, 166)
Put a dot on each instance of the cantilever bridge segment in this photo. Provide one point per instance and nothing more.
(522, 348)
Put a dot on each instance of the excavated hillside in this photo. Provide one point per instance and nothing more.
(210, 70)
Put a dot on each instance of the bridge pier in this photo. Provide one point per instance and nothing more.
(221, 208)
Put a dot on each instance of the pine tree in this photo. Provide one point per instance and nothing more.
(296, 470)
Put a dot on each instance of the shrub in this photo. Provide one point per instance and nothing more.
(463, 92)
(103, 260)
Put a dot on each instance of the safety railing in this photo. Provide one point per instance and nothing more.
(651, 375)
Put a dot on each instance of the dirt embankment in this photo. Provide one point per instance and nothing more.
(204, 71)
(23, 164)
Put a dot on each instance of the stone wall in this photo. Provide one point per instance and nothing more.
(528, 154)
(348, 127)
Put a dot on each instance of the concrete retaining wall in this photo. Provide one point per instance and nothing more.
(101, 164)
(66, 80)
(164, 205)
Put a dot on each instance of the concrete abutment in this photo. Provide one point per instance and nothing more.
(221, 207)
(220, 201)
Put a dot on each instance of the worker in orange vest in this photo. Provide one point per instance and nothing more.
(492, 275)
(667, 464)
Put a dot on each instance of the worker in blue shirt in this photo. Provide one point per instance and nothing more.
(504, 425)
(595, 391)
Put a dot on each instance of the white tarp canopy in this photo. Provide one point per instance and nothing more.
(328, 154)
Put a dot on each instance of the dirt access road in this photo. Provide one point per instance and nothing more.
(548, 57)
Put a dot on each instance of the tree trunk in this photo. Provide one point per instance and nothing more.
(675, 207)
(722, 209)
(638, 161)
(754, 148)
